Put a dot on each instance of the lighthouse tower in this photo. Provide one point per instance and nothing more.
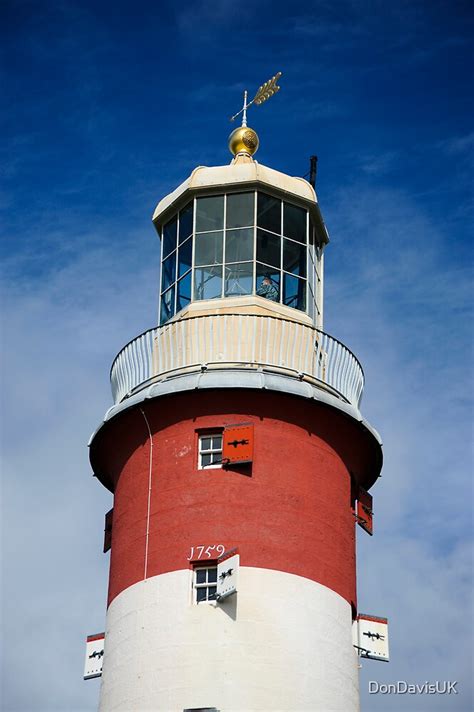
(235, 452)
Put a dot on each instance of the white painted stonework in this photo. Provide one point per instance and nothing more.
(282, 642)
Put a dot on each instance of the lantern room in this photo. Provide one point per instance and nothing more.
(243, 233)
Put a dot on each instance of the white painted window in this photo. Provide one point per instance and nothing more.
(205, 584)
(210, 450)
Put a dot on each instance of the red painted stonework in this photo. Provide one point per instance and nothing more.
(290, 510)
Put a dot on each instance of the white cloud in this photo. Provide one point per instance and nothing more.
(60, 336)
(378, 163)
(459, 145)
(398, 295)
(209, 15)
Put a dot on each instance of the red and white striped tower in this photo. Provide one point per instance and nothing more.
(234, 451)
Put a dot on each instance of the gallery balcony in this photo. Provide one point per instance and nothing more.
(240, 342)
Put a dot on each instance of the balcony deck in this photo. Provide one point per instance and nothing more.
(240, 341)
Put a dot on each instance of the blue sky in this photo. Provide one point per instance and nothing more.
(109, 107)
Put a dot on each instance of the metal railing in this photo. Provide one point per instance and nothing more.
(241, 341)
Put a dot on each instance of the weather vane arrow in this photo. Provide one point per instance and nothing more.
(267, 90)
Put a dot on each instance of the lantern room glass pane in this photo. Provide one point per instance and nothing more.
(268, 283)
(210, 213)
(268, 248)
(168, 271)
(240, 210)
(238, 279)
(207, 282)
(294, 292)
(294, 257)
(294, 222)
(239, 245)
(185, 222)
(185, 257)
(269, 213)
(208, 250)
(167, 305)
(169, 236)
(183, 292)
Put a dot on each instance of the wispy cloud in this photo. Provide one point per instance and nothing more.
(393, 298)
(378, 163)
(210, 16)
(60, 335)
(459, 145)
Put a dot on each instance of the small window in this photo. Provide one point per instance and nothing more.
(210, 450)
(205, 584)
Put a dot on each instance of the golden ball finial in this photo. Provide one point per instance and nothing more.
(243, 140)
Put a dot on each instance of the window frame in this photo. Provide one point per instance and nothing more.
(206, 585)
(217, 432)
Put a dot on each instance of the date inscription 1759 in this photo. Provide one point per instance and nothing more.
(213, 551)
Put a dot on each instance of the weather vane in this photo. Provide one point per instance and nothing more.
(244, 140)
(264, 92)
